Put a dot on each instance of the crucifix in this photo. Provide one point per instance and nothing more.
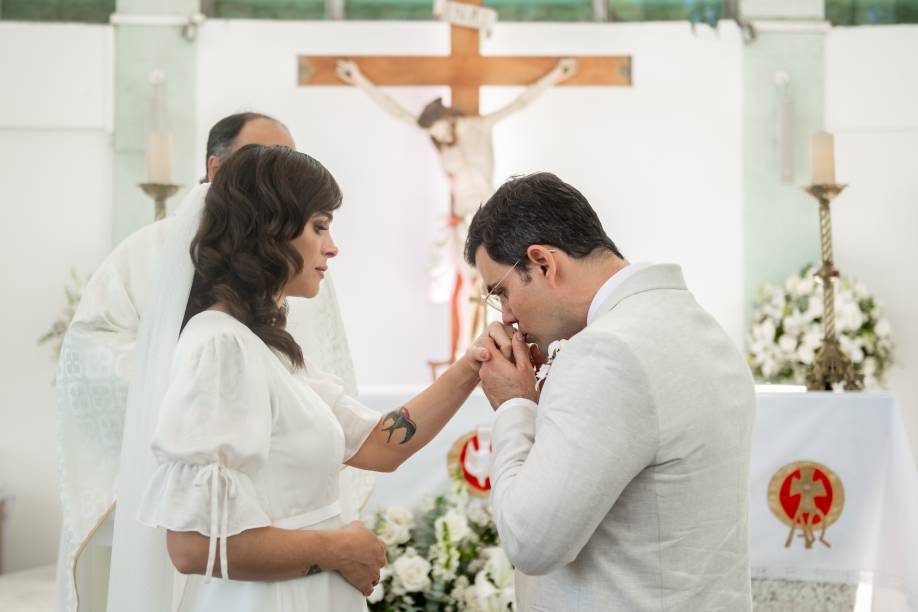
(460, 134)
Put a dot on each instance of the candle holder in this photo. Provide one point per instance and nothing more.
(831, 366)
(160, 192)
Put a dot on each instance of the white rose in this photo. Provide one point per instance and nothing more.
(813, 338)
(464, 595)
(400, 516)
(806, 354)
(773, 311)
(764, 331)
(787, 343)
(848, 316)
(813, 309)
(794, 324)
(392, 533)
(850, 348)
(857, 356)
(469, 599)
(412, 574)
(454, 523)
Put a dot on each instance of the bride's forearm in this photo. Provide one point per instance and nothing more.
(265, 553)
(406, 429)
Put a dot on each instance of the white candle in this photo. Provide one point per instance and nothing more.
(822, 158)
(159, 158)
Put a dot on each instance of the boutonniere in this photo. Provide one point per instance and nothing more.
(542, 373)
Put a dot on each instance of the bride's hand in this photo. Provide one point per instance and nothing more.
(358, 556)
(496, 338)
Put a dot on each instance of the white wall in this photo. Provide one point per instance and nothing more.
(660, 160)
(55, 196)
(872, 106)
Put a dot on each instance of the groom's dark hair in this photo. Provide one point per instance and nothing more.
(536, 209)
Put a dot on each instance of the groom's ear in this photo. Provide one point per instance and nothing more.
(544, 261)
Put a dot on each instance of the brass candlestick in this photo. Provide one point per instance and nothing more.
(160, 192)
(831, 365)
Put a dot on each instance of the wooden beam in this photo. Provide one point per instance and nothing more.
(464, 42)
(467, 71)
(465, 99)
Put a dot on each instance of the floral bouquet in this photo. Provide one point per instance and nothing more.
(72, 292)
(444, 556)
(787, 330)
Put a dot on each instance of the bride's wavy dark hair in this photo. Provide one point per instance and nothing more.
(260, 200)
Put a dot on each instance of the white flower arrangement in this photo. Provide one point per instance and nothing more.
(444, 556)
(787, 330)
(73, 291)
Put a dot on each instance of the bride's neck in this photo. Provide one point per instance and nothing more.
(219, 308)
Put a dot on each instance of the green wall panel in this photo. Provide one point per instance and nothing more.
(87, 11)
(839, 12)
(391, 10)
(269, 9)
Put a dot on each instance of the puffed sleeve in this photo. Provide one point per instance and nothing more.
(213, 433)
(356, 420)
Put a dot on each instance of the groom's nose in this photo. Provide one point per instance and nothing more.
(507, 316)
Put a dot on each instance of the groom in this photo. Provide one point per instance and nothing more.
(622, 485)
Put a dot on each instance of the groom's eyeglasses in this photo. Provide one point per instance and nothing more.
(494, 300)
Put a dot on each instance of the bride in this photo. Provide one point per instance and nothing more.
(248, 436)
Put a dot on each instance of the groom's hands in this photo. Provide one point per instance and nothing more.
(494, 339)
(503, 376)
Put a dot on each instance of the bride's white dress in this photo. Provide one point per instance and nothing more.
(244, 440)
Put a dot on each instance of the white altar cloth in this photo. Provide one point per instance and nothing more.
(861, 438)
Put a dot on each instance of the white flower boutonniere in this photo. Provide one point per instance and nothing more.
(542, 372)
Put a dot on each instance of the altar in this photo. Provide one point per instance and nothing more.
(834, 489)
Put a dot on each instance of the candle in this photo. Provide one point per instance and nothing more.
(159, 158)
(822, 158)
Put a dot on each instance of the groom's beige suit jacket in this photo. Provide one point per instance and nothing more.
(626, 487)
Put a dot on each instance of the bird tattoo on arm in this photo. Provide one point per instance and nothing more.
(400, 420)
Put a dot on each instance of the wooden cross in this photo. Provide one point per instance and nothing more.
(465, 70)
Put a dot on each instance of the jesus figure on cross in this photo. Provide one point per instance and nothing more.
(464, 144)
